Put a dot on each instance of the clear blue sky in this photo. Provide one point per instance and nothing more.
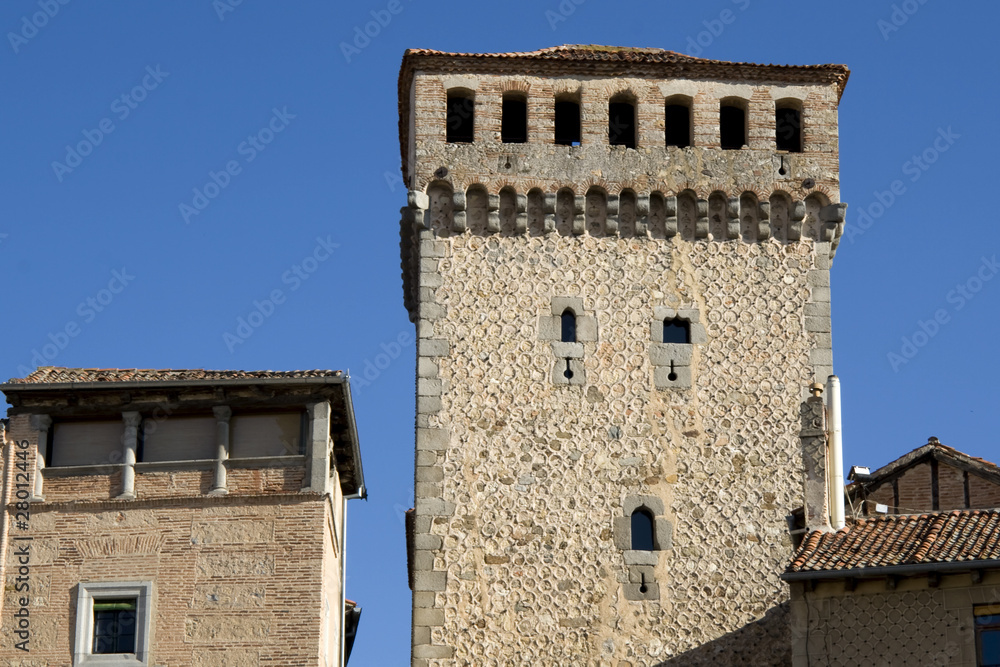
(210, 78)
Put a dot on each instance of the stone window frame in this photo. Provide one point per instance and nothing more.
(667, 358)
(550, 329)
(641, 565)
(83, 642)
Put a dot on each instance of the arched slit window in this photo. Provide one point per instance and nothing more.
(642, 530)
(676, 330)
(732, 126)
(460, 121)
(678, 125)
(788, 129)
(621, 123)
(568, 326)
(567, 122)
(514, 119)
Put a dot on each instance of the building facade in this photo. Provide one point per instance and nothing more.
(177, 517)
(617, 262)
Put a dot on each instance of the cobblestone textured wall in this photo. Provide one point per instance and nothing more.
(521, 496)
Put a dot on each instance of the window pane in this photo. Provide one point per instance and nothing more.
(273, 434)
(568, 327)
(87, 443)
(676, 331)
(179, 439)
(989, 641)
(642, 531)
(114, 626)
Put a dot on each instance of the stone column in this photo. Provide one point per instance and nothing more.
(42, 423)
(319, 447)
(222, 416)
(129, 445)
(813, 438)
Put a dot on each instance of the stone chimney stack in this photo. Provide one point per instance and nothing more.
(814, 483)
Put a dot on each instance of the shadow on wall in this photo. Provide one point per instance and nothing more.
(764, 642)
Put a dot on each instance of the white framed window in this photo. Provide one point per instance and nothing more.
(112, 624)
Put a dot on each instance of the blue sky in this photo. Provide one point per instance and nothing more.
(242, 157)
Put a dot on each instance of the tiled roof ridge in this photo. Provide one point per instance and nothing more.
(65, 375)
(914, 455)
(905, 539)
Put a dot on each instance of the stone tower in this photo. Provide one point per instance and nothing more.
(617, 261)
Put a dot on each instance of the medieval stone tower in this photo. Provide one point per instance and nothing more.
(617, 261)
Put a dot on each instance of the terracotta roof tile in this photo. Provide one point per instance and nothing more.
(959, 536)
(60, 375)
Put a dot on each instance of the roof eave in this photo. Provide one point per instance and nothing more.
(887, 570)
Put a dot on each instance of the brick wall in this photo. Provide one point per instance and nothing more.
(250, 578)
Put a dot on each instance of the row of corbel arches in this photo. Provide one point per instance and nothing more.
(720, 216)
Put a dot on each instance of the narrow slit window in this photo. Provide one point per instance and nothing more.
(678, 125)
(514, 120)
(621, 124)
(732, 127)
(568, 326)
(567, 123)
(460, 126)
(788, 130)
(642, 531)
(676, 330)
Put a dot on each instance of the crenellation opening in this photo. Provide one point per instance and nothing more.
(677, 121)
(622, 124)
(514, 119)
(733, 124)
(567, 120)
(460, 121)
(788, 126)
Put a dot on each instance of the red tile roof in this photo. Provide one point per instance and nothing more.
(60, 375)
(918, 539)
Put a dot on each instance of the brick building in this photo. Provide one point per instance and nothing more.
(177, 517)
